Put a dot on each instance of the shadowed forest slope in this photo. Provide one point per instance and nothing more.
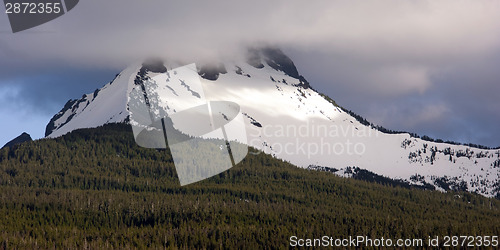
(97, 188)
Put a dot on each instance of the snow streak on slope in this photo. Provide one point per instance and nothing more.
(288, 119)
(106, 105)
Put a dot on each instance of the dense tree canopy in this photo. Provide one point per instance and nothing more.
(96, 188)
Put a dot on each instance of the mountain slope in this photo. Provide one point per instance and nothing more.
(288, 119)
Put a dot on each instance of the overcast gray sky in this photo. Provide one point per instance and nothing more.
(429, 67)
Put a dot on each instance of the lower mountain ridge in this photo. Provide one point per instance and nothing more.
(24, 137)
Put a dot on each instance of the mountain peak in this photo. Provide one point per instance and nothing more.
(276, 59)
(154, 65)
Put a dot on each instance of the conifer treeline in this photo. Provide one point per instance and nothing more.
(96, 188)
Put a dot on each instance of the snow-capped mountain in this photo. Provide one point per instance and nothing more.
(286, 117)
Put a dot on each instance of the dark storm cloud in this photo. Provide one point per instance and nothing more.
(45, 91)
(455, 101)
(408, 65)
(27, 102)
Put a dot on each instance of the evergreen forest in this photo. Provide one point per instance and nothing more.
(95, 188)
